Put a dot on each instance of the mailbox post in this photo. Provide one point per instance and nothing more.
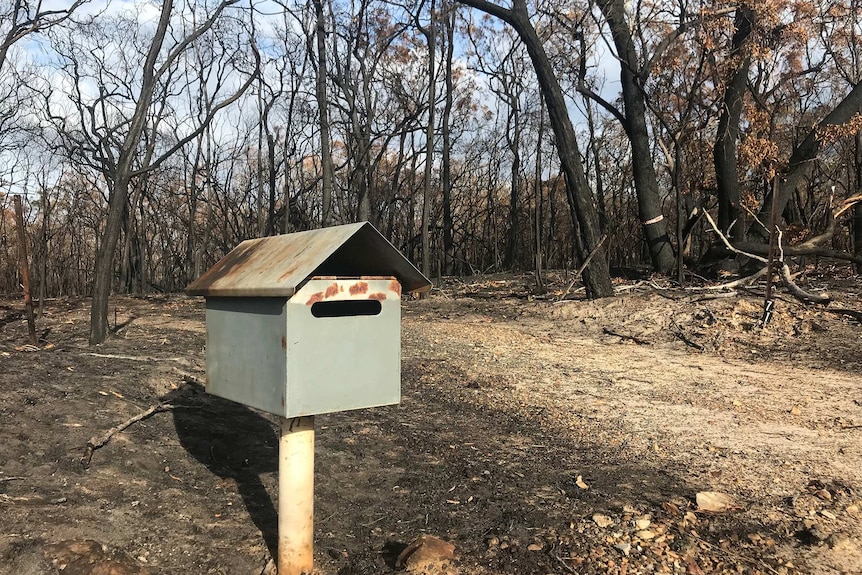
(304, 324)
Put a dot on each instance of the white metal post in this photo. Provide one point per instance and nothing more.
(296, 496)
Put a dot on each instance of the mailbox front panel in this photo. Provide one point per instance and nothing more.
(343, 345)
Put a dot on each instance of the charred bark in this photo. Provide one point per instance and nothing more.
(724, 151)
(597, 279)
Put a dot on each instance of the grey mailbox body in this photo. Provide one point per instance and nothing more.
(307, 323)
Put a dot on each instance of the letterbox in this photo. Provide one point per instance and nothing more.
(307, 323)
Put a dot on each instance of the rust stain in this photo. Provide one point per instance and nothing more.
(315, 297)
(332, 290)
(287, 273)
(359, 288)
(229, 265)
(395, 286)
(283, 342)
(378, 296)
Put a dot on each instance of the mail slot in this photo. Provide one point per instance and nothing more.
(307, 323)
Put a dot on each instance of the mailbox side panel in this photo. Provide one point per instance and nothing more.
(344, 362)
(246, 347)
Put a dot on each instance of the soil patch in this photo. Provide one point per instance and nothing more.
(536, 435)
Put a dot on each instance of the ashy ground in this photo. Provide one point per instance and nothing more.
(538, 436)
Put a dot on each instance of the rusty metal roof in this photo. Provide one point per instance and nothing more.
(276, 266)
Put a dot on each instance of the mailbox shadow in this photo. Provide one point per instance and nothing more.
(233, 442)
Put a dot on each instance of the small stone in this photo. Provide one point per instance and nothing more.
(642, 524)
(535, 547)
(827, 514)
(645, 534)
(852, 509)
(624, 548)
(492, 542)
(823, 494)
(602, 520)
(427, 553)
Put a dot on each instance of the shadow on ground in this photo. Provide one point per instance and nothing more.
(233, 442)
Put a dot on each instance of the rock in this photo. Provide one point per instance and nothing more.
(535, 547)
(642, 523)
(624, 548)
(428, 555)
(492, 542)
(602, 520)
(645, 534)
(823, 494)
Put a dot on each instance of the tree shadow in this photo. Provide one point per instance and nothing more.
(233, 442)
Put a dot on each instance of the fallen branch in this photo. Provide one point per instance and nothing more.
(741, 282)
(855, 314)
(799, 250)
(623, 336)
(848, 203)
(786, 276)
(98, 441)
(800, 293)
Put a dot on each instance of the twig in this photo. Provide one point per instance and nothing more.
(135, 357)
(583, 266)
(623, 336)
(98, 441)
(677, 331)
(5, 479)
(563, 563)
(741, 282)
(710, 296)
(727, 243)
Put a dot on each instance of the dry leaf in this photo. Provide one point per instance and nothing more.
(715, 501)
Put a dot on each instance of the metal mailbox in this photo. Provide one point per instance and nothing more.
(307, 323)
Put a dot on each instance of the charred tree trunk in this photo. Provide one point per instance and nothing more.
(804, 154)
(448, 224)
(431, 36)
(323, 116)
(724, 151)
(513, 139)
(597, 279)
(635, 125)
(857, 209)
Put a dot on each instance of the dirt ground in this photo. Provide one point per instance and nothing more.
(536, 434)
